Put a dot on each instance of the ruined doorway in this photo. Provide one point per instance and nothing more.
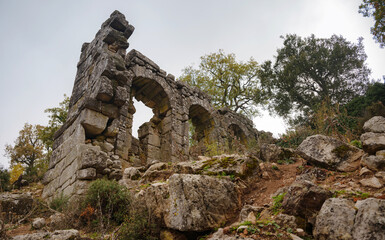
(236, 138)
(153, 138)
(200, 127)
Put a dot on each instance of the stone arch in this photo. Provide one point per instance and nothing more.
(236, 135)
(203, 124)
(154, 136)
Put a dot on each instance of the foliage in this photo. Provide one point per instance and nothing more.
(330, 120)
(57, 117)
(230, 83)
(138, 225)
(356, 143)
(374, 94)
(110, 200)
(28, 147)
(59, 203)
(16, 171)
(294, 137)
(375, 9)
(4, 179)
(277, 203)
(310, 70)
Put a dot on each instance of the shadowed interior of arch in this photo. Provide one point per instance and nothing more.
(150, 143)
(200, 125)
(236, 135)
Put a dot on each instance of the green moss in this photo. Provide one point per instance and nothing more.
(341, 151)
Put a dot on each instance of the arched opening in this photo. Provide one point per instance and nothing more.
(152, 141)
(200, 126)
(236, 137)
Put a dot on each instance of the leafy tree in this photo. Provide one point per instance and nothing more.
(375, 8)
(375, 93)
(230, 83)
(308, 71)
(58, 116)
(16, 171)
(28, 147)
(4, 179)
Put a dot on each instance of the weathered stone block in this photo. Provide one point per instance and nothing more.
(335, 219)
(105, 91)
(93, 122)
(86, 174)
(375, 124)
(330, 153)
(373, 142)
(200, 203)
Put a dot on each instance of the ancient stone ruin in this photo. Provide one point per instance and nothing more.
(97, 140)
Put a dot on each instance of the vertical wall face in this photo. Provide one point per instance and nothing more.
(96, 139)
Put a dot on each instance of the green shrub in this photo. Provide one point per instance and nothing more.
(293, 138)
(109, 199)
(356, 143)
(138, 225)
(277, 203)
(59, 203)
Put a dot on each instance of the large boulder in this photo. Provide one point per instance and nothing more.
(304, 199)
(15, 204)
(200, 203)
(373, 142)
(70, 234)
(335, 220)
(375, 124)
(374, 162)
(230, 165)
(370, 220)
(330, 153)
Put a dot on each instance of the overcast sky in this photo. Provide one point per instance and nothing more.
(40, 42)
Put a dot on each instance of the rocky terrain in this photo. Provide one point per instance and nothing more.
(324, 189)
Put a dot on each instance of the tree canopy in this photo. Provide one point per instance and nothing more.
(229, 82)
(308, 71)
(28, 147)
(33, 146)
(375, 8)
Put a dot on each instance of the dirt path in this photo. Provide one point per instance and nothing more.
(262, 189)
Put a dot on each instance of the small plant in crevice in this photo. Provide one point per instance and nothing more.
(277, 203)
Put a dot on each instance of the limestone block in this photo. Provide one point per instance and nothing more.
(86, 174)
(121, 96)
(93, 122)
(375, 124)
(370, 220)
(110, 110)
(330, 153)
(373, 142)
(304, 199)
(372, 182)
(93, 158)
(113, 128)
(374, 162)
(105, 91)
(335, 219)
(38, 223)
(200, 203)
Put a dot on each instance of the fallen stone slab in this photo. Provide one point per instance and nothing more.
(330, 153)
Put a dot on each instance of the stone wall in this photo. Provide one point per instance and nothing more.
(97, 140)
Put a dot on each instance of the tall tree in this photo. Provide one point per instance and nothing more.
(308, 71)
(28, 147)
(230, 83)
(57, 117)
(376, 9)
